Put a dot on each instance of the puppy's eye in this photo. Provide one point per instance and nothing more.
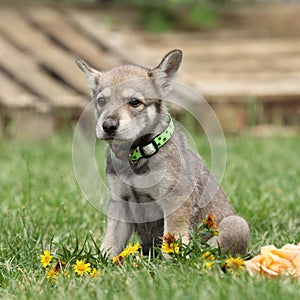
(134, 102)
(101, 101)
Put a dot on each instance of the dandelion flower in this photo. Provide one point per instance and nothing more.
(118, 259)
(131, 249)
(46, 258)
(234, 263)
(216, 232)
(51, 273)
(66, 274)
(208, 256)
(82, 268)
(208, 265)
(169, 244)
(170, 247)
(94, 273)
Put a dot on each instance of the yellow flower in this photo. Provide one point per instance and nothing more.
(51, 273)
(208, 265)
(172, 247)
(82, 268)
(130, 250)
(66, 273)
(46, 258)
(94, 273)
(216, 232)
(169, 244)
(208, 256)
(234, 263)
(118, 259)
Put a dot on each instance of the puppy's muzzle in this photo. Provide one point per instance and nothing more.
(110, 126)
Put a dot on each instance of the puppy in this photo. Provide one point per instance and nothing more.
(158, 185)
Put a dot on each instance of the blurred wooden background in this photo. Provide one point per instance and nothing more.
(247, 67)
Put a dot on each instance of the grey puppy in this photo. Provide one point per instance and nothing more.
(158, 185)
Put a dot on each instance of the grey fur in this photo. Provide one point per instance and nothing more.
(168, 192)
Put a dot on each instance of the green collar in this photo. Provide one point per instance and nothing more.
(155, 144)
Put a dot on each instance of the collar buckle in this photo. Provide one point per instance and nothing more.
(155, 144)
(149, 150)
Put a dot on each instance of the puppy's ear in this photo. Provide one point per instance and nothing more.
(166, 70)
(92, 75)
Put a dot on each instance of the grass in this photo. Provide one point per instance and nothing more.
(42, 208)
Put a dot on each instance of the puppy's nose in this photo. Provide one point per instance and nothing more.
(110, 125)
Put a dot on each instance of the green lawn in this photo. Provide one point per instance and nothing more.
(42, 207)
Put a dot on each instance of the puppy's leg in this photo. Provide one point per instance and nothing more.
(150, 234)
(234, 235)
(177, 224)
(116, 237)
(117, 232)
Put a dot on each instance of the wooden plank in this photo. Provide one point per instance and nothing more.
(55, 24)
(48, 54)
(127, 50)
(281, 87)
(246, 55)
(14, 96)
(25, 70)
(251, 47)
(199, 44)
(267, 19)
(246, 66)
(229, 68)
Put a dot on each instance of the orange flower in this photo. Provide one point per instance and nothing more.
(274, 262)
(59, 266)
(169, 244)
(118, 260)
(210, 221)
(169, 238)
